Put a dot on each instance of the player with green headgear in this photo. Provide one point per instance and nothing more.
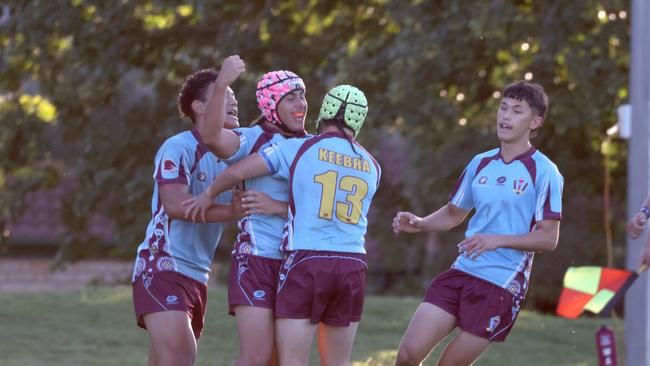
(349, 103)
(332, 181)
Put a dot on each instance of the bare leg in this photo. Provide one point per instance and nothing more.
(335, 344)
(172, 338)
(463, 350)
(428, 326)
(256, 335)
(153, 360)
(294, 338)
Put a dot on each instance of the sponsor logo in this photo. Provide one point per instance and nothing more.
(519, 185)
(501, 180)
(172, 299)
(259, 294)
(494, 323)
(482, 180)
(202, 176)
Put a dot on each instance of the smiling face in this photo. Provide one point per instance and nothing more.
(292, 110)
(515, 121)
(232, 112)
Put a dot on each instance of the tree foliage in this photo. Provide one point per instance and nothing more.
(89, 87)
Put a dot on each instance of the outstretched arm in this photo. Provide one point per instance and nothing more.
(251, 167)
(260, 203)
(172, 196)
(447, 217)
(544, 237)
(221, 142)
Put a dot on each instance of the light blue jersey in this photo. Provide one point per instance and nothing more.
(260, 235)
(509, 199)
(331, 185)
(177, 245)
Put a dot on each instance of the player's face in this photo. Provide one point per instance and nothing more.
(292, 110)
(232, 113)
(515, 120)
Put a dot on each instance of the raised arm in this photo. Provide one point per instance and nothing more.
(220, 141)
(251, 167)
(447, 217)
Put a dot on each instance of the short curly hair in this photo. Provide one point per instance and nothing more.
(194, 88)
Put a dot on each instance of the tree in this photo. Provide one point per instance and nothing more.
(104, 76)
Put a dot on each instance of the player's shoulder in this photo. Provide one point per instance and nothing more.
(180, 140)
(255, 130)
(487, 154)
(478, 158)
(544, 163)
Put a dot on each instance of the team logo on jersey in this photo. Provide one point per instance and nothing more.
(482, 180)
(519, 186)
(501, 180)
(172, 299)
(259, 294)
(494, 323)
(202, 176)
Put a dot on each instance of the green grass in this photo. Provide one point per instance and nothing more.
(96, 326)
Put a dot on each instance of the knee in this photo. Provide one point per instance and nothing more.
(176, 358)
(406, 357)
(178, 355)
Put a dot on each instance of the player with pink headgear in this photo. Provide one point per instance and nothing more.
(256, 258)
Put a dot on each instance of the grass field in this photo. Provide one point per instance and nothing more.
(96, 326)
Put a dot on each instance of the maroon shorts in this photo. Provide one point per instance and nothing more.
(322, 286)
(165, 291)
(252, 282)
(480, 307)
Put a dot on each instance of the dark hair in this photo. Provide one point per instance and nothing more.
(533, 94)
(194, 88)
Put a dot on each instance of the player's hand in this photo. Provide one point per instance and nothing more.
(478, 244)
(236, 204)
(197, 206)
(259, 203)
(231, 68)
(407, 222)
(636, 225)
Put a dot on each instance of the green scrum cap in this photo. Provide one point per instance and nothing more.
(353, 102)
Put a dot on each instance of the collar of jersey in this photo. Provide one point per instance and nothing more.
(527, 154)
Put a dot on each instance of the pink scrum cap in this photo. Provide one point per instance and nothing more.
(271, 88)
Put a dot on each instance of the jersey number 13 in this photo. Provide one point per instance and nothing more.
(348, 211)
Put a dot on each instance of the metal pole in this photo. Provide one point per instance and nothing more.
(637, 300)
